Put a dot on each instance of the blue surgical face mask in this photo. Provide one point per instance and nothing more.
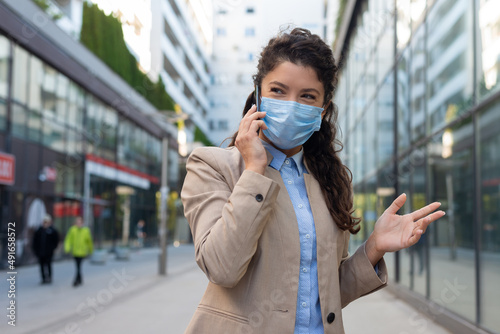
(289, 123)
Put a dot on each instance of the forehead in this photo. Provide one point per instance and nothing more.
(298, 75)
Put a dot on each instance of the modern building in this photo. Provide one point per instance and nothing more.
(241, 29)
(419, 109)
(181, 41)
(169, 38)
(75, 138)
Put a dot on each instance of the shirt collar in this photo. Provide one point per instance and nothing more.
(280, 157)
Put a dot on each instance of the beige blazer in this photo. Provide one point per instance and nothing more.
(246, 240)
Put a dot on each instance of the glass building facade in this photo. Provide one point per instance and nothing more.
(77, 153)
(419, 110)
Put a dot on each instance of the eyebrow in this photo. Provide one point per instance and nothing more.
(286, 87)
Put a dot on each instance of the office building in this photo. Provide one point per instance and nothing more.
(169, 38)
(181, 41)
(419, 109)
(75, 138)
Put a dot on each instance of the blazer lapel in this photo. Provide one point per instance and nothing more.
(326, 235)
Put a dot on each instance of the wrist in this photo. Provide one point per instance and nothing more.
(372, 252)
(256, 169)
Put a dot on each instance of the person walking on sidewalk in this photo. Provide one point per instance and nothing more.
(78, 243)
(45, 241)
(140, 233)
(271, 215)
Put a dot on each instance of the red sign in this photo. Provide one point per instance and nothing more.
(48, 174)
(7, 168)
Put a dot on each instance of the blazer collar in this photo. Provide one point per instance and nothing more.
(276, 158)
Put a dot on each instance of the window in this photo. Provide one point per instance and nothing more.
(4, 65)
(35, 83)
(222, 124)
(221, 31)
(18, 121)
(249, 32)
(20, 75)
(3, 115)
(34, 125)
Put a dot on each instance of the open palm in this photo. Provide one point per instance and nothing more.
(394, 232)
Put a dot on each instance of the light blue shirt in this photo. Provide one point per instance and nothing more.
(308, 316)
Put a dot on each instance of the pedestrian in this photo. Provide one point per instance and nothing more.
(140, 233)
(78, 243)
(271, 215)
(45, 241)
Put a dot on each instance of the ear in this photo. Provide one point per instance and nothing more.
(324, 109)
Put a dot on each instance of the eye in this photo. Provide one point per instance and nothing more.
(309, 97)
(277, 90)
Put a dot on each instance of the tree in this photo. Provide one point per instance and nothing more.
(103, 35)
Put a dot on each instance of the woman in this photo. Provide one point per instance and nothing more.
(271, 214)
(78, 243)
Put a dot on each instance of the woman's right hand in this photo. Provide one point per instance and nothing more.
(248, 142)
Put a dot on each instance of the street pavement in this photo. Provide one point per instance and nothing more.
(130, 297)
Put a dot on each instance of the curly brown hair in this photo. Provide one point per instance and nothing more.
(321, 151)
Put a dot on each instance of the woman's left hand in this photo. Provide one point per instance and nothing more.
(394, 232)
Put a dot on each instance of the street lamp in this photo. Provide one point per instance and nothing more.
(162, 233)
(162, 264)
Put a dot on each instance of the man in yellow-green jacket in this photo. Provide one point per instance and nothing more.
(78, 243)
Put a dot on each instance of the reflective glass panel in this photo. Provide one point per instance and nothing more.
(489, 123)
(20, 75)
(403, 101)
(371, 139)
(449, 58)
(53, 134)
(417, 89)
(4, 65)
(405, 170)
(3, 115)
(489, 47)
(19, 116)
(385, 121)
(62, 96)
(49, 99)
(34, 125)
(450, 159)
(403, 24)
(35, 83)
(418, 200)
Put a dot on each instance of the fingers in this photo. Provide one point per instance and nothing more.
(422, 224)
(416, 215)
(256, 125)
(415, 238)
(251, 116)
(397, 204)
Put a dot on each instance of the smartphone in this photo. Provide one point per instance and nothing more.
(257, 98)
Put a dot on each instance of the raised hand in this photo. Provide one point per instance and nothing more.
(394, 232)
(248, 142)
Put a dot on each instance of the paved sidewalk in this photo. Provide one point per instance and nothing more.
(129, 297)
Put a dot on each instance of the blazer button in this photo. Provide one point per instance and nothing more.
(259, 198)
(330, 317)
